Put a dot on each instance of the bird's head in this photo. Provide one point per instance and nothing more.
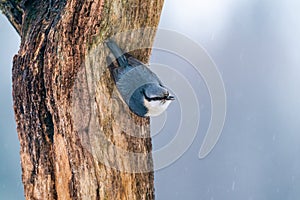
(156, 99)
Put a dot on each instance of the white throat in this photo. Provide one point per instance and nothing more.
(155, 108)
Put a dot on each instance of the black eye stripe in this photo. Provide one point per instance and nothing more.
(154, 98)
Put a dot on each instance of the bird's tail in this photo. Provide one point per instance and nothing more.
(117, 52)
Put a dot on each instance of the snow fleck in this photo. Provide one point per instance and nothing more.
(233, 186)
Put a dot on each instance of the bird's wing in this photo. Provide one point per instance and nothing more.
(135, 78)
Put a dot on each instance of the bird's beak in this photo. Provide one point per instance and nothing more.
(170, 98)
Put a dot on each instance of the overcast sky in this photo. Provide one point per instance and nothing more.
(10, 169)
(255, 46)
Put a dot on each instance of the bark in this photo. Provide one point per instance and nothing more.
(78, 139)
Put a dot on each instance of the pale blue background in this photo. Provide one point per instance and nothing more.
(256, 46)
(10, 170)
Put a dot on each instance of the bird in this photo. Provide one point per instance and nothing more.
(140, 88)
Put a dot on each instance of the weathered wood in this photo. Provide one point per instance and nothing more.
(70, 119)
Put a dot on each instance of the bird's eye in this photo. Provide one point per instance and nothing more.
(166, 94)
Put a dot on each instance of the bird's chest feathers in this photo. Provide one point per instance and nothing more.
(156, 107)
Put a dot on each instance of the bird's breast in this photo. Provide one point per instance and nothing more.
(156, 108)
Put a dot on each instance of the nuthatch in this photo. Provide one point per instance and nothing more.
(139, 87)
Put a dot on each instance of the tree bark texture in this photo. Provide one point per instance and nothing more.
(78, 139)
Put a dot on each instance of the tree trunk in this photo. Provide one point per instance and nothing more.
(78, 139)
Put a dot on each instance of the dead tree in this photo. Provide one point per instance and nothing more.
(78, 139)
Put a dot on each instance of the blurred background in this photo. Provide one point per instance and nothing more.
(10, 169)
(255, 46)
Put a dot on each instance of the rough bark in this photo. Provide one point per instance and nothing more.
(78, 139)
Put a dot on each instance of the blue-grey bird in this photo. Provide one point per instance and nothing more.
(139, 87)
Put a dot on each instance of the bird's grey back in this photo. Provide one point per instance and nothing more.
(134, 78)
